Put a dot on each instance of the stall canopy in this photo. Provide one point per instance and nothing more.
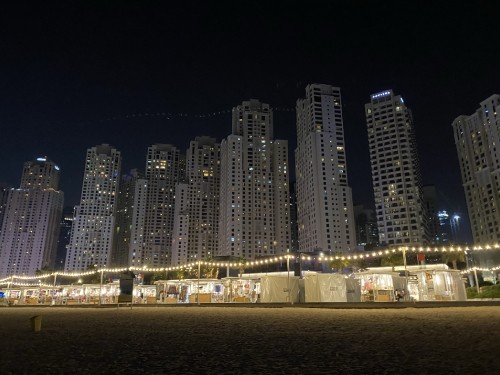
(440, 285)
(275, 289)
(330, 287)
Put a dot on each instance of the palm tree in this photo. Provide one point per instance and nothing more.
(338, 263)
(359, 264)
(393, 260)
(453, 257)
(241, 262)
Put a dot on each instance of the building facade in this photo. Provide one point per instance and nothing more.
(366, 227)
(254, 205)
(477, 138)
(430, 195)
(93, 229)
(4, 193)
(155, 206)
(124, 215)
(30, 229)
(399, 204)
(64, 237)
(325, 214)
(197, 204)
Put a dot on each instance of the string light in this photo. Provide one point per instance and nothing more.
(481, 269)
(254, 263)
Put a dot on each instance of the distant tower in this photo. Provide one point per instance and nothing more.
(433, 221)
(93, 228)
(444, 220)
(254, 206)
(324, 199)
(4, 193)
(366, 227)
(197, 204)
(401, 213)
(477, 138)
(28, 236)
(64, 237)
(124, 218)
(155, 208)
(294, 229)
(41, 174)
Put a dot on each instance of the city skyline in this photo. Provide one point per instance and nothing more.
(77, 76)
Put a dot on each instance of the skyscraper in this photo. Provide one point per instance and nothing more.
(477, 138)
(401, 214)
(4, 193)
(430, 196)
(197, 204)
(324, 199)
(124, 218)
(155, 208)
(91, 240)
(64, 237)
(254, 194)
(28, 236)
(366, 227)
(294, 229)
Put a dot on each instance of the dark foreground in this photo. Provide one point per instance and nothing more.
(257, 340)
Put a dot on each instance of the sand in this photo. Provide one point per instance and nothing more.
(239, 340)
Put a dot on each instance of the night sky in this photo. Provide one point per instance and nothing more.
(74, 75)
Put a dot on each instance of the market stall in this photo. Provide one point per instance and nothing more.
(241, 289)
(330, 287)
(376, 287)
(145, 294)
(171, 291)
(274, 288)
(189, 290)
(440, 285)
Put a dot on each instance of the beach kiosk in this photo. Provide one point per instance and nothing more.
(331, 287)
(376, 286)
(241, 289)
(188, 291)
(440, 285)
(274, 288)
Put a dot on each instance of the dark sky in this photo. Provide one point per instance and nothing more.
(76, 74)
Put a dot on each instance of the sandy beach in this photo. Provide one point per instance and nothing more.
(239, 340)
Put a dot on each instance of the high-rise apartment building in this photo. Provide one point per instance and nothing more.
(40, 173)
(64, 237)
(4, 193)
(399, 204)
(477, 138)
(136, 243)
(28, 236)
(366, 227)
(294, 229)
(254, 194)
(430, 196)
(325, 214)
(197, 204)
(124, 216)
(151, 236)
(91, 240)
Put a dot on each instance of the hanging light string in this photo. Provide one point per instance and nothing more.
(472, 269)
(256, 263)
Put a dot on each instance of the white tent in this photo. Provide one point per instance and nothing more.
(424, 283)
(376, 286)
(331, 287)
(275, 289)
(440, 285)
